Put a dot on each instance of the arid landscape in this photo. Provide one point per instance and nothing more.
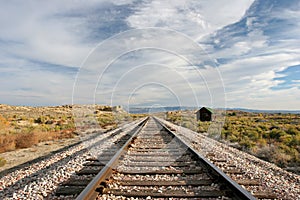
(35, 137)
(274, 137)
(150, 99)
(29, 132)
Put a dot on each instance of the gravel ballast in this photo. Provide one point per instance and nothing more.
(284, 184)
(40, 180)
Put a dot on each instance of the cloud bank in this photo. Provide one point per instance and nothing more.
(255, 46)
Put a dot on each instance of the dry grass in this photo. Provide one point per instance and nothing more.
(11, 142)
(274, 137)
(25, 140)
(7, 143)
(23, 127)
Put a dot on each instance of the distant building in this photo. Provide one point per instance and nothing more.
(204, 114)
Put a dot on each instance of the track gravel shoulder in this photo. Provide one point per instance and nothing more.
(40, 177)
(284, 184)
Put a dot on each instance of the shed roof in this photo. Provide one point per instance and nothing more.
(209, 109)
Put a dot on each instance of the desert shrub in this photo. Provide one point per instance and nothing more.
(3, 122)
(46, 136)
(106, 119)
(253, 135)
(187, 124)
(44, 128)
(25, 140)
(233, 138)
(295, 156)
(292, 131)
(28, 129)
(7, 143)
(23, 118)
(295, 140)
(247, 143)
(57, 128)
(270, 136)
(4, 125)
(265, 152)
(225, 134)
(276, 134)
(201, 129)
(135, 116)
(67, 133)
(281, 158)
(261, 142)
(174, 117)
(232, 114)
(2, 162)
(263, 127)
(41, 120)
(286, 139)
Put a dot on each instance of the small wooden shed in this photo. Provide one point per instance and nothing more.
(204, 114)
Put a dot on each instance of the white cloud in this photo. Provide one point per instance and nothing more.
(158, 61)
(194, 18)
(33, 87)
(39, 41)
(37, 34)
(248, 82)
(250, 53)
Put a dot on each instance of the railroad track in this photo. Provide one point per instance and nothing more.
(151, 162)
(96, 162)
(222, 156)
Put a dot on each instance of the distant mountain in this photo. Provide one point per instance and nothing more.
(266, 111)
(138, 110)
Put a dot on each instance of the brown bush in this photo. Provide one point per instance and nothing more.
(7, 143)
(3, 122)
(46, 136)
(4, 125)
(67, 133)
(25, 140)
(2, 162)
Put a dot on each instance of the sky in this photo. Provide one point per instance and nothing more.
(233, 54)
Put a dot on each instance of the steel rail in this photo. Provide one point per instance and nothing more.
(90, 191)
(240, 192)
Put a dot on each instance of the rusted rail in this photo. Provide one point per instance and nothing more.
(90, 192)
(238, 190)
(99, 184)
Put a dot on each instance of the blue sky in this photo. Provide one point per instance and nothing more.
(250, 54)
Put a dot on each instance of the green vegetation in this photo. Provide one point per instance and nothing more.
(107, 119)
(137, 116)
(272, 137)
(2, 162)
(22, 127)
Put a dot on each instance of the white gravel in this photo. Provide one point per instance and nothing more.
(284, 184)
(39, 180)
(157, 140)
